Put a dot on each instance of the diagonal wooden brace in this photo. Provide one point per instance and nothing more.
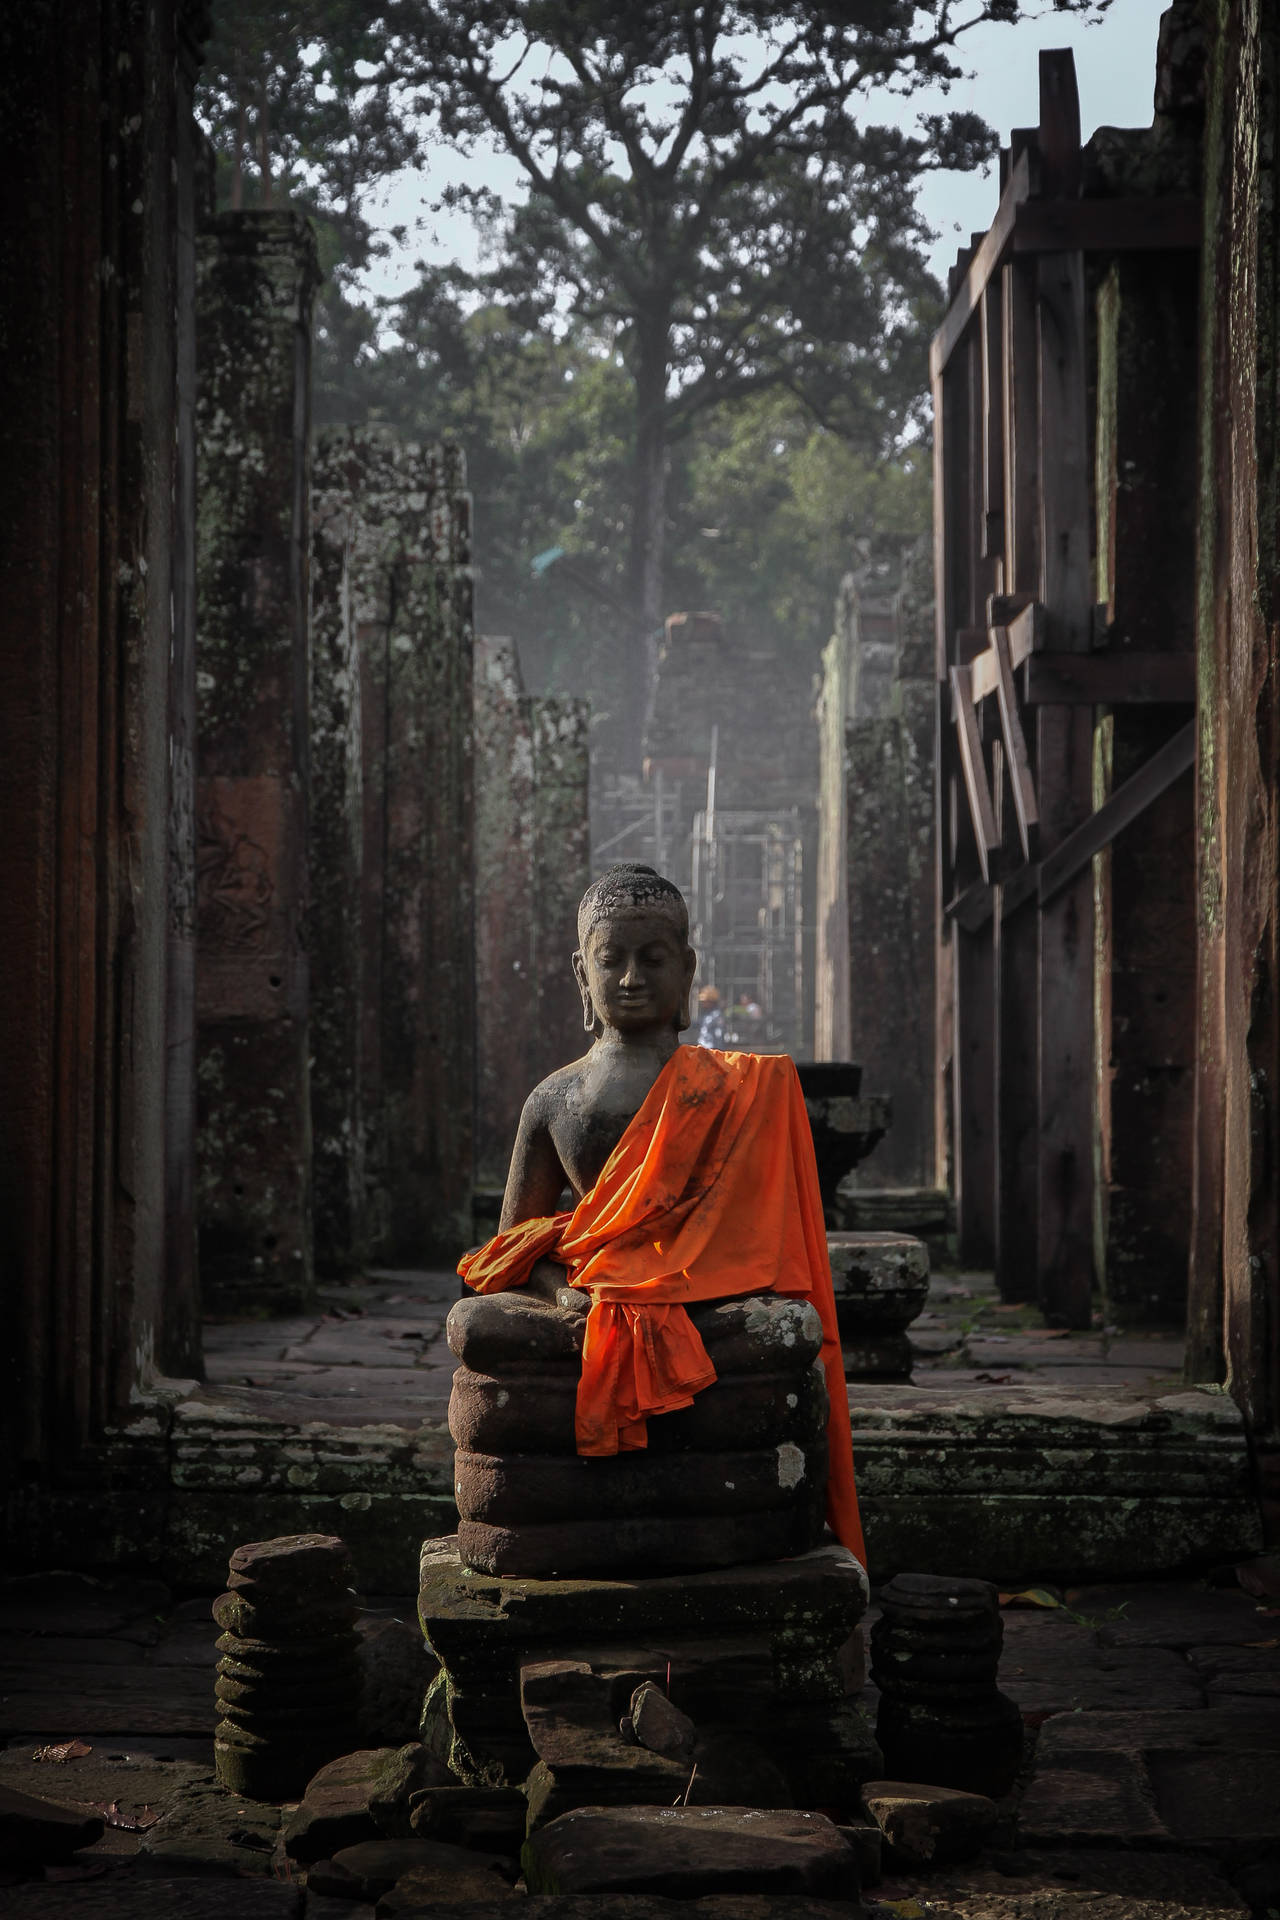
(1021, 779)
(973, 766)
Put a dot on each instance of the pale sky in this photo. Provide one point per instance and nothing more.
(1115, 69)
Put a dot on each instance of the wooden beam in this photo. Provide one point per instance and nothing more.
(1028, 632)
(1109, 679)
(1025, 633)
(983, 264)
(1074, 853)
(1168, 223)
(1019, 887)
(973, 907)
(1021, 432)
(973, 767)
(992, 422)
(1017, 1099)
(974, 1092)
(1021, 783)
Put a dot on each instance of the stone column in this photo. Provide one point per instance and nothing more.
(337, 861)
(532, 868)
(885, 782)
(506, 984)
(398, 604)
(256, 275)
(89, 117)
(561, 873)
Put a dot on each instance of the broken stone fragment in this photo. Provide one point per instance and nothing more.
(491, 1819)
(395, 1671)
(927, 1826)
(371, 1868)
(334, 1812)
(867, 1842)
(36, 1832)
(659, 1726)
(686, 1852)
(429, 1890)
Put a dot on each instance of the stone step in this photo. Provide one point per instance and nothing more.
(1015, 1484)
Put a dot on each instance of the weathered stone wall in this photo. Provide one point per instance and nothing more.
(1235, 1281)
(337, 860)
(92, 98)
(532, 867)
(876, 905)
(255, 280)
(393, 597)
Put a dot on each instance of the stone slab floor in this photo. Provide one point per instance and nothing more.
(1152, 1790)
(374, 1351)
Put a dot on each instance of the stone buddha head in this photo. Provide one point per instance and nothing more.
(634, 965)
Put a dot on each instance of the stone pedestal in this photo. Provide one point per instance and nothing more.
(288, 1686)
(846, 1124)
(881, 1283)
(935, 1653)
(739, 1475)
(764, 1652)
(256, 276)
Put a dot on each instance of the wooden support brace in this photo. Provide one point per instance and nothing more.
(1120, 811)
(1025, 633)
(973, 767)
(981, 266)
(1021, 781)
(1109, 679)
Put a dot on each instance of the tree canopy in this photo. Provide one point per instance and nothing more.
(720, 230)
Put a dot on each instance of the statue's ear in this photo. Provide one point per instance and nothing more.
(590, 1019)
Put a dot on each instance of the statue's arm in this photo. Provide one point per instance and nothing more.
(536, 1178)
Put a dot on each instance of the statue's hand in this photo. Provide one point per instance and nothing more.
(547, 1282)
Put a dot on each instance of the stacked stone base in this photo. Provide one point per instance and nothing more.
(752, 1654)
(738, 1475)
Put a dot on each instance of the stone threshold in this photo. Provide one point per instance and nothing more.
(1016, 1484)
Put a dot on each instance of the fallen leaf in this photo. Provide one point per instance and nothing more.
(994, 1379)
(64, 1751)
(115, 1816)
(1030, 1597)
(1262, 1643)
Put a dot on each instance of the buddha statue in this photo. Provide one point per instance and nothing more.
(651, 1377)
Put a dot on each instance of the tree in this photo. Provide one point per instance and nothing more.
(295, 102)
(703, 179)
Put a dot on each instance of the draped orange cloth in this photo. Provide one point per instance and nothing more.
(712, 1191)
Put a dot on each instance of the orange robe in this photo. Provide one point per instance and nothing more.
(712, 1191)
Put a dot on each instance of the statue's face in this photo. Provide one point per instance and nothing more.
(637, 969)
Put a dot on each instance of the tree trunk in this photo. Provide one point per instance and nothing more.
(648, 530)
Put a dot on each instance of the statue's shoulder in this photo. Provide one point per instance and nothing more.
(549, 1096)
